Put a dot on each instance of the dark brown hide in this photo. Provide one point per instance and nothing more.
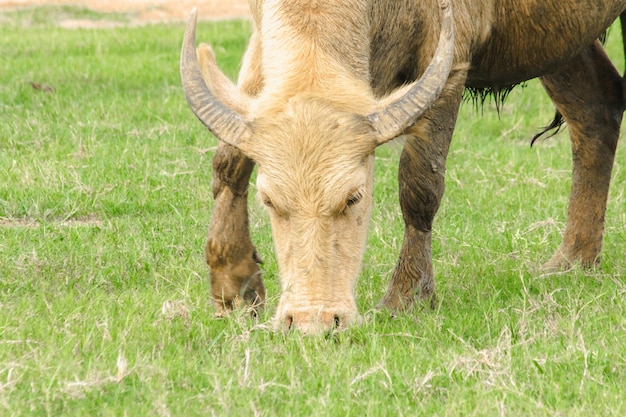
(502, 43)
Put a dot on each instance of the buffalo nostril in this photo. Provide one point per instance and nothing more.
(288, 322)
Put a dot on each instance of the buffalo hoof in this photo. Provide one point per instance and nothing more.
(561, 262)
(396, 304)
(234, 286)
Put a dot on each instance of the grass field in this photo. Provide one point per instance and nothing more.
(104, 307)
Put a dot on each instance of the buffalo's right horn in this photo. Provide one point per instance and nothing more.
(225, 123)
(414, 99)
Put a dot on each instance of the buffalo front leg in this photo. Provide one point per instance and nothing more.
(588, 93)
(230, 254)
(421, 185)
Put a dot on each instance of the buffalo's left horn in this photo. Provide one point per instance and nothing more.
(226, 124)
(417, 97)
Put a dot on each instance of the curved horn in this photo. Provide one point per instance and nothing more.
(418, 96)
(226, 124)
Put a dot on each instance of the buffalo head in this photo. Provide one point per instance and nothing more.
(314, 147)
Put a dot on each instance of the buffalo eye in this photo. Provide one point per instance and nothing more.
(268, 203)
(352, 200)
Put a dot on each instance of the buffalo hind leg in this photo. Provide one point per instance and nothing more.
(230, 254)
(421, 185)
(588, 93)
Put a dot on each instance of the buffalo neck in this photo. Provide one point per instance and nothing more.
(313, 45)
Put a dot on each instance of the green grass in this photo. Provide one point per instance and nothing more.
(104, 306)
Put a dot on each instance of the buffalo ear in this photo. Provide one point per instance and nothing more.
(406, 105)
(223, 88)
(212, 97)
